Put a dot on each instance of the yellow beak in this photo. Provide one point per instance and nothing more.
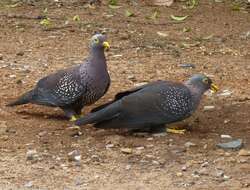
(106, 45)
(213, 88)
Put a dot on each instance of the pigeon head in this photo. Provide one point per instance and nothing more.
(98, 41)
(201, 83)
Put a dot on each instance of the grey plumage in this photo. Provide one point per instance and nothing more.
(151, 105)
(73, 88)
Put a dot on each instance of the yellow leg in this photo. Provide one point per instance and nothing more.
(176, 131)
(75, 117)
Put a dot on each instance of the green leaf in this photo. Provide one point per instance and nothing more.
(236, 7)
(186, 29)
(114, 6)
(186, 45)
(76, 18)
(13, 5)
(45, 11)
(113, 2)
(45, 22)
(178, 18)
(128, 13)
(192, 3)
(208, 37)
(154, 15)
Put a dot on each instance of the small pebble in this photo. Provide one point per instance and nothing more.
(128, 167)
(184, 168)
(219, 173)
(74, 131)
(95, 158)
(225, 177)
(179, 174)
(189, 144)
(225, 93)
(12, 76)
(225, 136)
(159, 134)
(233, 145)
(20, 53)
(226, 121)
(4, 137)
(140, 148)
(32, 155)
(205, 164)
(126, 150)
(150, 146)
(28, 184)
(109, 146)
(131, 77)
(207, 108)
(149, 156)
(74, 156)
(140, 84)
(244, 152)
(187, 65)
(162, 34)
(42, 133)
(242, 160)
(203, 171)
(3, 127)
(140, 134)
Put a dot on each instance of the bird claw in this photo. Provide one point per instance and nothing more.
(176, 131)
(73, 118)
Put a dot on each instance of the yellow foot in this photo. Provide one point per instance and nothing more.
(75, 117)
(176, 131)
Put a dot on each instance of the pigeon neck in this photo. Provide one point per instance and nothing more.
(97, 56)
(196, 93)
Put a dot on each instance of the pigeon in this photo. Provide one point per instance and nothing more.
(73, 88)
(151, 106)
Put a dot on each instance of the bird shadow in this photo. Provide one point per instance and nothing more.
(43, 115)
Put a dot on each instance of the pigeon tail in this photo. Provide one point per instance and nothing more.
(24, 99)
(102, 115)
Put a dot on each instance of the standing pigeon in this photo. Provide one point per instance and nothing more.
(151, 106)
(73, 88)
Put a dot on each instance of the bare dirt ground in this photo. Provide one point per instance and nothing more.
(218, 44)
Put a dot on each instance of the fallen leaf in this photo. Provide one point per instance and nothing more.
(129, 14)
(114, 6)
(76, 18)
(186, 29)
(192, 3)
(178, 18)
(185, 45)
(208, 37)
(154, 15)
(13, 5)
(113, 2)
(45, 22)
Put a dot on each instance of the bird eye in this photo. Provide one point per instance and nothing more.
(96, 40)
(205, 80)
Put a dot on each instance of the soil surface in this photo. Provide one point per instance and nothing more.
(35, 140)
